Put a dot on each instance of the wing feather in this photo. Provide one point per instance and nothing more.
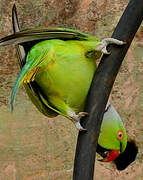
(39, 34)
(31, 88)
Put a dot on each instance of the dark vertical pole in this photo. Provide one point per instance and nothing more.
(101, 88)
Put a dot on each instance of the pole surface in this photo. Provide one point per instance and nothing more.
(100, 90)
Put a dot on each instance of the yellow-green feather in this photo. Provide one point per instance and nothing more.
(111, 124)
(61, 65)
(52, 58)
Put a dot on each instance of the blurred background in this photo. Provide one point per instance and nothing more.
(34, 147)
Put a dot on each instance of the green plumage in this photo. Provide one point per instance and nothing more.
(111, 125)
(63, 70)
(57, 69)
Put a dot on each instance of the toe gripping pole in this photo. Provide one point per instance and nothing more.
(100, 89)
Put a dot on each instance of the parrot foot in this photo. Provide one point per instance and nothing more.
(79, 127)
(106, 41)
(77, 118)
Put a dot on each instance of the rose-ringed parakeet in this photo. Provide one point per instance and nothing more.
(57, 69)
(62, 66)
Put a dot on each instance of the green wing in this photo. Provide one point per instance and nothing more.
(32, 87)
(25, 40)
(35, 59)
(37, 34)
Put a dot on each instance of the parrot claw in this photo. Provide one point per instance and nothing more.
(79, 127)
(106, 41)
(82, 114)
(104, 51)
(77, 118)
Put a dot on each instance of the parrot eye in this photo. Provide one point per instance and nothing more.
(120, 135)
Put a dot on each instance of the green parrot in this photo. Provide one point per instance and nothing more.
(57, 67)
(62, 66)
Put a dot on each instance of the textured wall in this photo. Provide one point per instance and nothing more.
(33, 147)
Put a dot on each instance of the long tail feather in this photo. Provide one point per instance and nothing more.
(15, 19)
(18, 82)
(19, 49)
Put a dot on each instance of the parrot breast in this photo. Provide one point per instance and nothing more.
(65, 78)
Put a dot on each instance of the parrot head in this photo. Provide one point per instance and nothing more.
(113, 138)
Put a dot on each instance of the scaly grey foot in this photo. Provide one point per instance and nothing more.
(106, 41)
(77, 118)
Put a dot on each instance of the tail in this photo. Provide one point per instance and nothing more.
(18, 82)
(15, 19)
(24, 70)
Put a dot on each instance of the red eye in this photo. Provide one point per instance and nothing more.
(120, 135)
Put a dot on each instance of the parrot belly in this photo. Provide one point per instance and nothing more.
(66, 79)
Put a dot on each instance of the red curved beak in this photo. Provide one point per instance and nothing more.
(111, 156)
